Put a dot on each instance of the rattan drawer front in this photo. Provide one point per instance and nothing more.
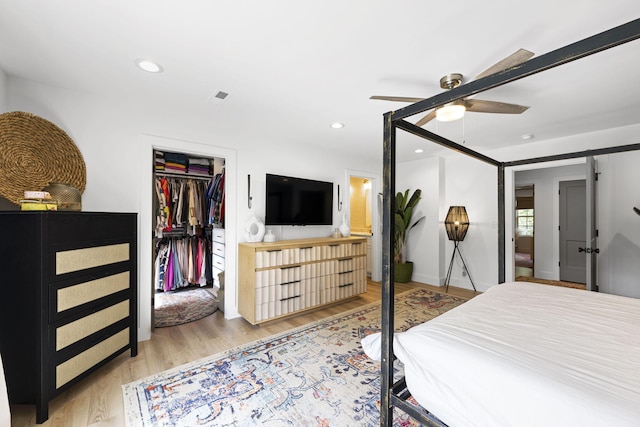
(82, 328)
(78, 364)
(85, 292)
(81, 259)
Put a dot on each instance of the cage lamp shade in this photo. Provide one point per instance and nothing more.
(456, 223)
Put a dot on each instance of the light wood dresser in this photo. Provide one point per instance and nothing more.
(68, 303)
(290, 276)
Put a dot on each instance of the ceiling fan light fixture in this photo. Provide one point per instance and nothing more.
(450, 112)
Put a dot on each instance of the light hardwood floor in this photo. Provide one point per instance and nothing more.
(97, 400)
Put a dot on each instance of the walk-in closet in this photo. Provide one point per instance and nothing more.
(189, 238)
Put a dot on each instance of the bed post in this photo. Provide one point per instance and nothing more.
(501, 229)
(388, 200)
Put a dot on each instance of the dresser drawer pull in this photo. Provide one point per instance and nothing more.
(290, 267)
(345, 272)
(289, 283)
(285, 299)
(345, 285)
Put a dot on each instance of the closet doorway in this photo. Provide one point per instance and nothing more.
(188, 243)
(524, 231)
(147, 219)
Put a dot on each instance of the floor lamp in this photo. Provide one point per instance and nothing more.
(456, 224)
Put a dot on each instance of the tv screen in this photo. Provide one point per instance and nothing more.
(298, 201)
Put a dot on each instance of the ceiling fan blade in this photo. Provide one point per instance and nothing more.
(430, 116)
(396, 98)
(518, 57)
(482, 106)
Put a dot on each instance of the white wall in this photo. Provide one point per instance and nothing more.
(115, 137)
(619, 226)
(472, 183)
(424, 246)
(452, 181)
(3, 92)
(617, 193)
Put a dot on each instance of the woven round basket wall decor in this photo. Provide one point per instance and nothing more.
(34, 153)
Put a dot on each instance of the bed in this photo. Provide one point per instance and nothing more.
(460, 401)
(526, 354)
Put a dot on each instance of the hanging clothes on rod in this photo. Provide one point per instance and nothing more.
(189, 203)
(215, 200)
(181, 262)
(182, 203)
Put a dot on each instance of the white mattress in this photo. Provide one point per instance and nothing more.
(525, 354)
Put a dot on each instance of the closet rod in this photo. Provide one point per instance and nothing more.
(184, 175)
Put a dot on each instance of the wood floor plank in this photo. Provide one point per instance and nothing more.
(97, 400)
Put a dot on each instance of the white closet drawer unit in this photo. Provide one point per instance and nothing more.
(217, 253)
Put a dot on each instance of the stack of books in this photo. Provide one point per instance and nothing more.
(38, 201)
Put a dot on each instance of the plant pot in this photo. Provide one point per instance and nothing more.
(402, 272)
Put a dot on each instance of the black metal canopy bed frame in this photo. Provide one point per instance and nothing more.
(395, 395)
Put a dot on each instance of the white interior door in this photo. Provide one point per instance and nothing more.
(591, 248)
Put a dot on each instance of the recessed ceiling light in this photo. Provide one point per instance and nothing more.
(526, 136)
(419, 150)
(337, 125)
(149, 66)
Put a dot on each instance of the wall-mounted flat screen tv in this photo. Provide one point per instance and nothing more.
(298, 201)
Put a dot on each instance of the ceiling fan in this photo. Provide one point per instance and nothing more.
(455, 110)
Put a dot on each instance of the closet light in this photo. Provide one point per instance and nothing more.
(149, 66)
(337, 125)
(450, 112)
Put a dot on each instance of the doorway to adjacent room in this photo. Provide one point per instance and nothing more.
(362, 212)
(524, 231)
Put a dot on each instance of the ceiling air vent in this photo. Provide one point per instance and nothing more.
(218, 97)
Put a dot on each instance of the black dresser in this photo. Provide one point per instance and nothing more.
(68, 286)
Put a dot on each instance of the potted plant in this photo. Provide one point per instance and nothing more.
(404, 223)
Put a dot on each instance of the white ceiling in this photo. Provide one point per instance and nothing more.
(293, 67)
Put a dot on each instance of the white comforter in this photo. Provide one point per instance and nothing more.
(525, 354)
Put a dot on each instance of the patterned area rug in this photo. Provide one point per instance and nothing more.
(315, 375)
(178, 307)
